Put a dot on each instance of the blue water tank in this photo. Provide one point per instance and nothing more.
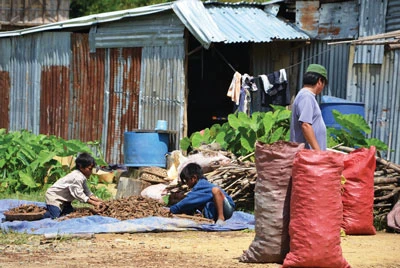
(329, 103)
(145, 148)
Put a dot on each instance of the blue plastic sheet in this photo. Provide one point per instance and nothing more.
(99, 224)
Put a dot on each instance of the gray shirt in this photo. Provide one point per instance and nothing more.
(67, 189)
(305, 109)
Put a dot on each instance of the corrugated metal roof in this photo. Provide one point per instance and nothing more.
(251, 24)
(195, 17)
(233, 23)
(209, 22)
(91, 19)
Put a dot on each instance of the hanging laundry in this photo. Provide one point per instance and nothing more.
(248, 82)
(278, 93)
(265, 83)
(234, 88)
(245, 100)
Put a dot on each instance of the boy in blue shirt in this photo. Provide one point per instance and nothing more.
(204, 196)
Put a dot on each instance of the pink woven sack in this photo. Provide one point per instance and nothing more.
(316, 211)
(358, 195)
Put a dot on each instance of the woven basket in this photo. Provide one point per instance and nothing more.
(24, 216)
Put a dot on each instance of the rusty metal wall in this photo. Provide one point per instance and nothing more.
(162, 87)
(124, 65)
(5, 82)
(24, 62)
(29, 13)
(5, 98)
(51, 84)
(105, 92)
(378, 87)
(328, 21)
(54, 101)
(87, 91)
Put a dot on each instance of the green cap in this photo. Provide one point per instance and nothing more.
(319, 69)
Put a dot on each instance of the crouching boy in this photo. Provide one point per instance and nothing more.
(204, 196)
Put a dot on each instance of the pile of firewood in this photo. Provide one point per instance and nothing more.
(238, 180)
(386, 189)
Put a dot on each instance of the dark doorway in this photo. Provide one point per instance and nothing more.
(210, 72)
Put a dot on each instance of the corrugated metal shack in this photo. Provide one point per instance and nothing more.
(95, 77)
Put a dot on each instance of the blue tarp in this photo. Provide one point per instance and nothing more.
(99, 224)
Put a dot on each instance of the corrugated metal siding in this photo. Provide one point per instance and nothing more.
(124, 86)
(5, 98)
(334, 58)
(105, 95)
(54, 101)
(377, 86)
(328, 21)
(371, 24)
(87, 91)
(162, 88)
(5, 82)
(29, 54)
(153, 30)
(393, 15)
(24, 13)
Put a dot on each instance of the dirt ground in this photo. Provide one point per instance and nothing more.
(178, 249)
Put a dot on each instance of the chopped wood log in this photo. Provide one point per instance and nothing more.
(385, 197)
(386, 180)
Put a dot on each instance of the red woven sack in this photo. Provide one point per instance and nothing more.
(358, 195)
(272, 202)
(316, 211)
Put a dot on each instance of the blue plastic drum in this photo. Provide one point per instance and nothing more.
(145, 148)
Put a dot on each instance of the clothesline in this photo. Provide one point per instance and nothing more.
(288, 67)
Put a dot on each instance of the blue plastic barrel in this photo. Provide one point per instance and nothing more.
(343, 106)
(145, 148)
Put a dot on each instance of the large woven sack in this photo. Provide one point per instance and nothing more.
(358, 195)
(316, 211)
(272, 193)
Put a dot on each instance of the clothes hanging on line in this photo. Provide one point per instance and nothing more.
(239, 92)
(274, 89)
(234, 88)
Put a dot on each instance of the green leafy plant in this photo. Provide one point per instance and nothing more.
(352, 132)
(241, 132)
(27, 161)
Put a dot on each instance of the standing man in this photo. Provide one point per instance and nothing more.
(307, 125)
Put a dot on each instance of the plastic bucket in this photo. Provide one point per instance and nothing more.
(145, 149)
